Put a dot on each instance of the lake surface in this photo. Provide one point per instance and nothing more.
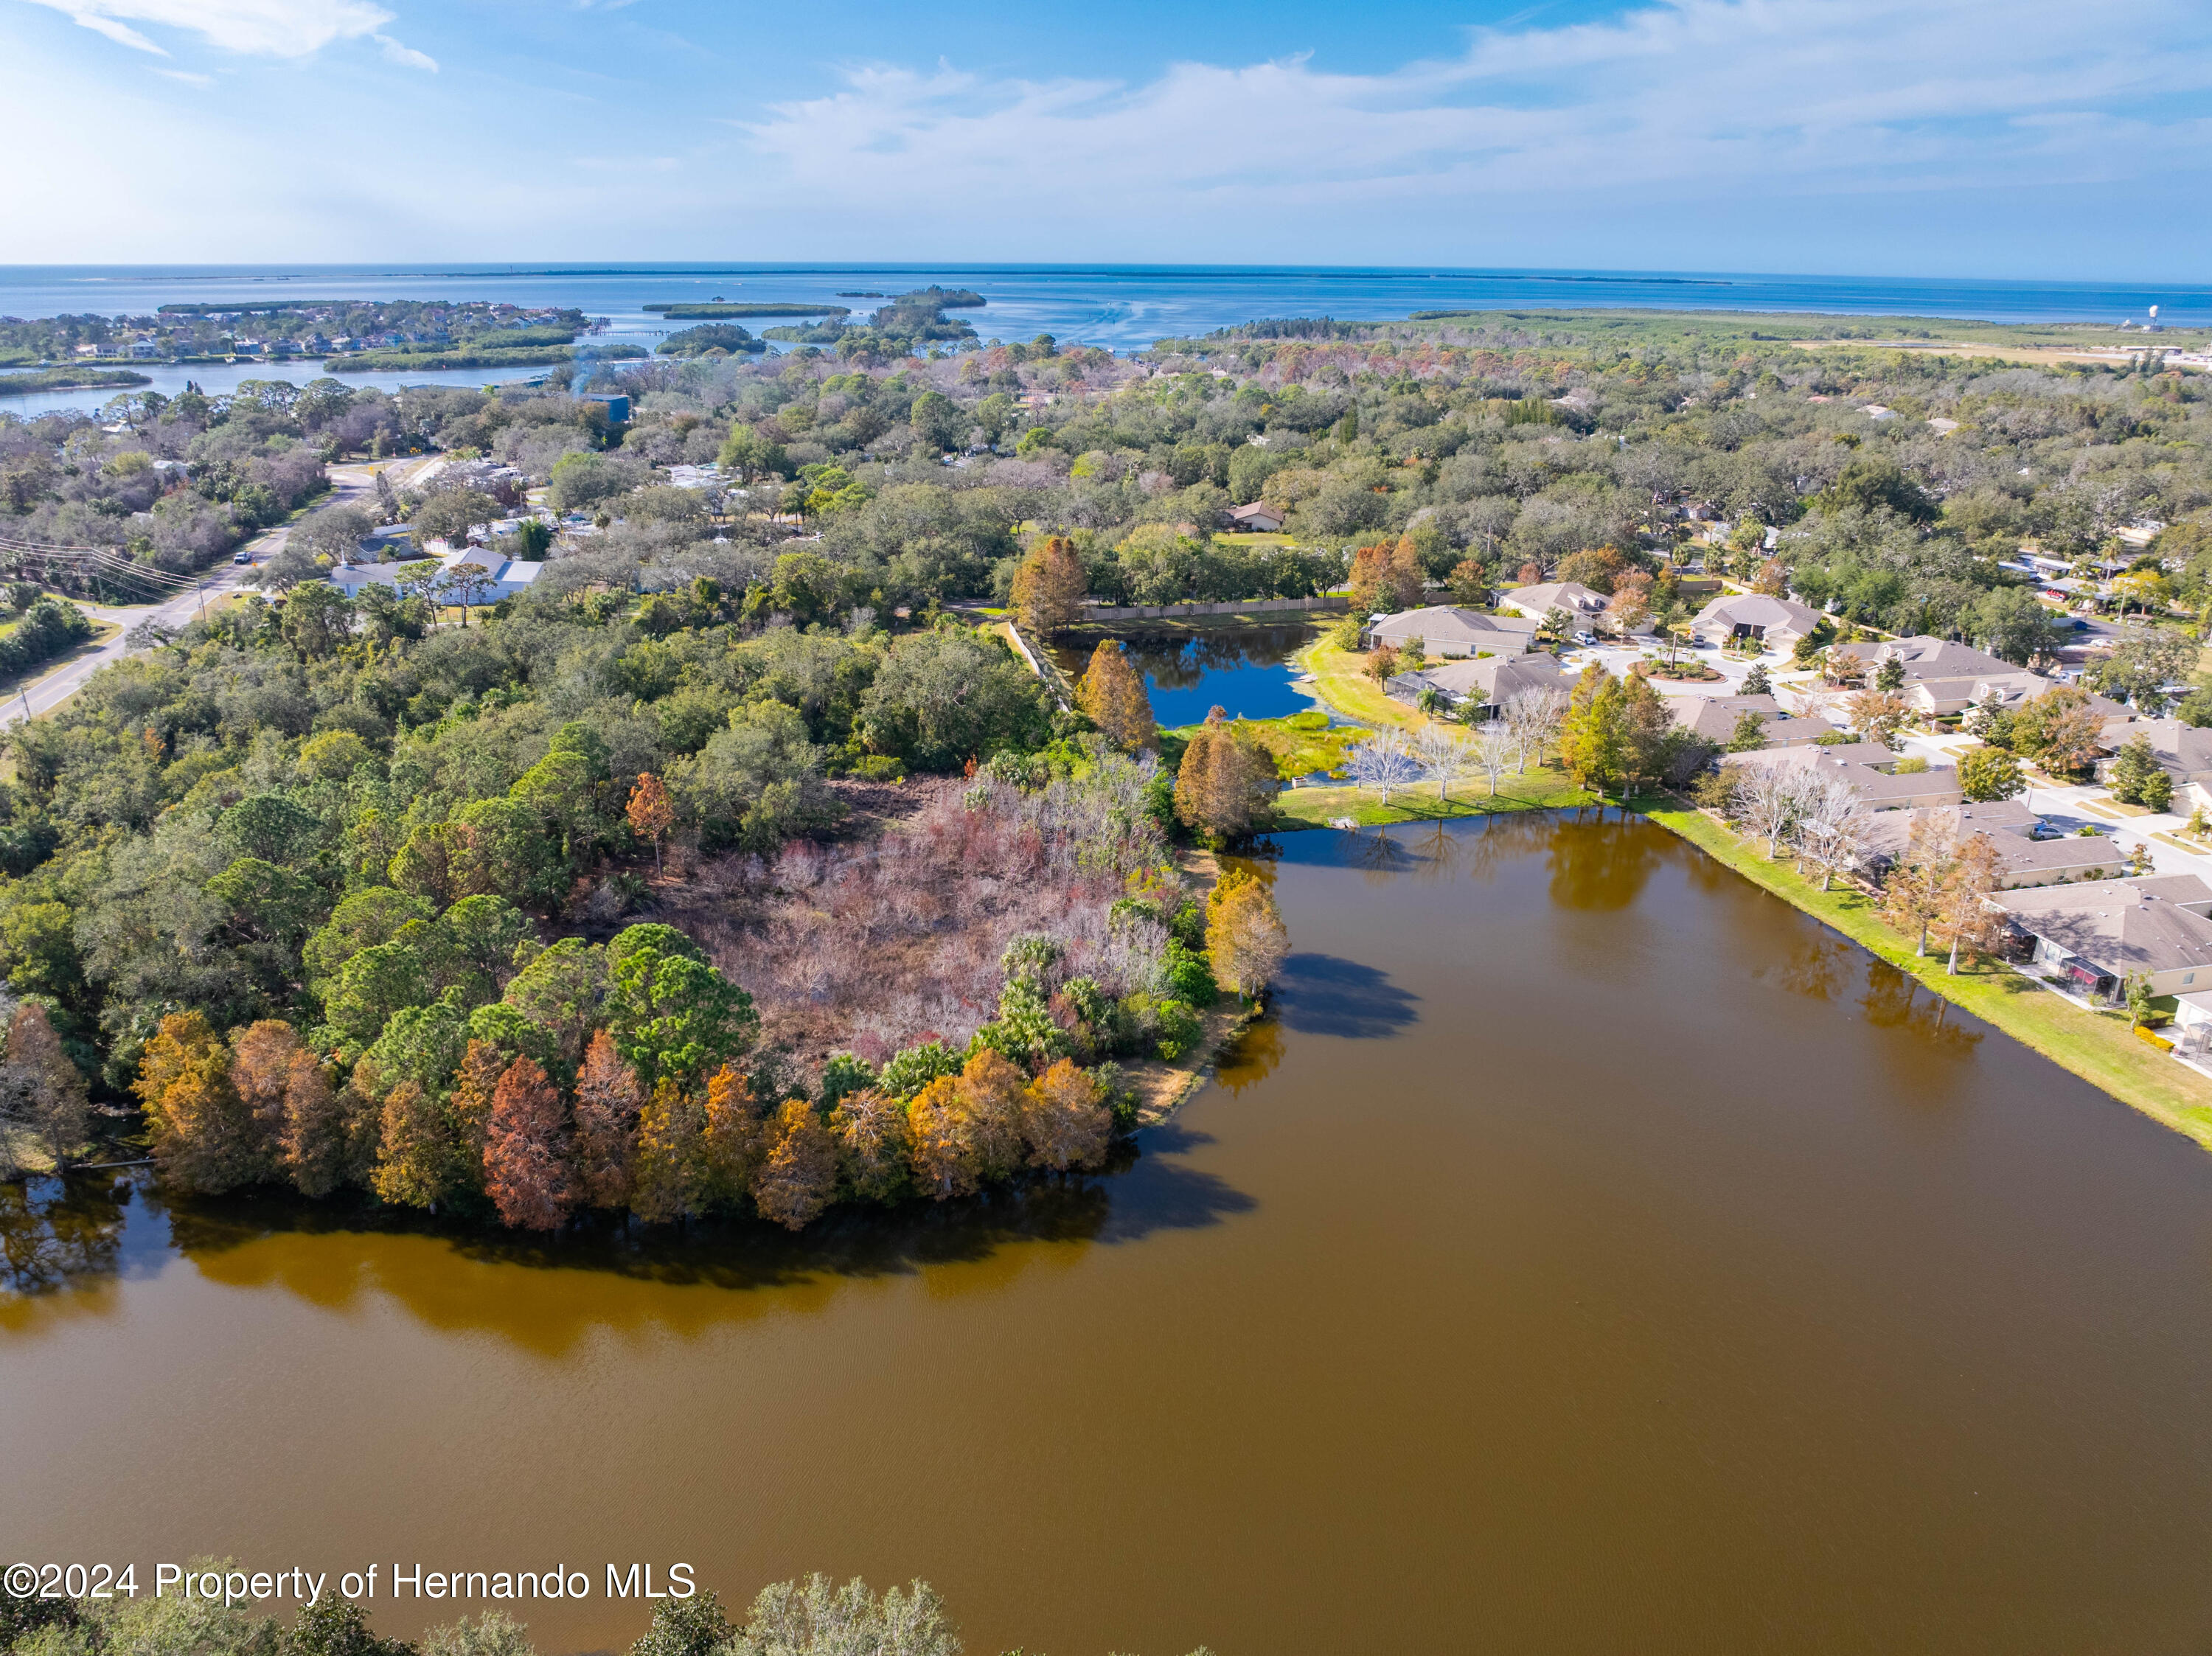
(1124, 307)
(1594, 1255)
(1246, 669)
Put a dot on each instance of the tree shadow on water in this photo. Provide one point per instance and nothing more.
(1600, 859)
(1328, 995)
(344, 1256)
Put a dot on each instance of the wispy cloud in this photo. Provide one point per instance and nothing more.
(188, 76)
(1703, 97)
(405, 56)
(280, 28)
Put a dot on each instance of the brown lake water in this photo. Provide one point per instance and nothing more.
(1594, 1255)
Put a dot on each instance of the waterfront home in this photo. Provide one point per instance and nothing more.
(1445, 629)
(1869, 767)
(1478, 688)
(2026, 854)
(1714, 718)
(2095, 937)
(2184, 752)
(1744, 619)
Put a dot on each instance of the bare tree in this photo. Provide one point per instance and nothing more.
(1832, 829)
(1533, 719)
(1772, 799)
(1441, 754)
(1384, 761)
(1496, 746)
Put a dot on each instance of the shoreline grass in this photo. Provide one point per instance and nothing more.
(2098, 1047)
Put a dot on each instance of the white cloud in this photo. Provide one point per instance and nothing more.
(188, 76)
(1700, 97)
(277, 28)
(405, 56)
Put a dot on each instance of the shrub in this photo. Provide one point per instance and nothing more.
(1190, 976)
(1312, 719)
(1177, 1029)
(879, 767)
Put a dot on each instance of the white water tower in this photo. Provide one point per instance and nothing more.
(2151, 327)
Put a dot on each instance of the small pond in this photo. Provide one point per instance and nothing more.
(1246, 669)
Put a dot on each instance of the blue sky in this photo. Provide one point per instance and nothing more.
(2044, 138)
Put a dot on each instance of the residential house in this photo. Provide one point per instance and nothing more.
(1582, 603)
(1259, 518)
(1748, 618)
(1869, 766)
(1481, 687)
(1714, 718)
(2184, 752)
(2026, 856)
(2095, 937)
(1445, 629)
(506, 577)
(1943, 678)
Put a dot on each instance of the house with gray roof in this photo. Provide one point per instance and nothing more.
(1943, 677)
(1481, 687)
(2184, 752)
(2095, 937)
(1746, 618)
(1714, 718)
(2027, 854)
(1445, 629)
(1580, 602)
(1869, 766)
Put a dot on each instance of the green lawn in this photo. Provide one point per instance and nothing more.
(1341, 679)
(1296, 752)
(2099, 1047)
(1542, 789)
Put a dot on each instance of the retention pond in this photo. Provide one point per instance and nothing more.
(1592, 1255)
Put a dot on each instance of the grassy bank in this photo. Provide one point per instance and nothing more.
(2099, 1047)
(1340, 679)
(1542, 789)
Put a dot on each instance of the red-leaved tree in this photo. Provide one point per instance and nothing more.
(525, 1169)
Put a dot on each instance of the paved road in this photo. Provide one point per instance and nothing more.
(348, 483)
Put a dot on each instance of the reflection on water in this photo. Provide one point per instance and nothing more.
(1602, 861)
(1897, 1000)
(1578, 1236)
(1243, 669)
(56, 1238)
(58, 1233)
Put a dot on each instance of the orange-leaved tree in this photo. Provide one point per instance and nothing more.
(204, 1137)
(1245, 938)
(527, 1173)
(798, 1176)
(652, 813)
(1049, 585)
(1112, 694)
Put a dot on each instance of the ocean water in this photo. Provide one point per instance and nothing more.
(1122, 307)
